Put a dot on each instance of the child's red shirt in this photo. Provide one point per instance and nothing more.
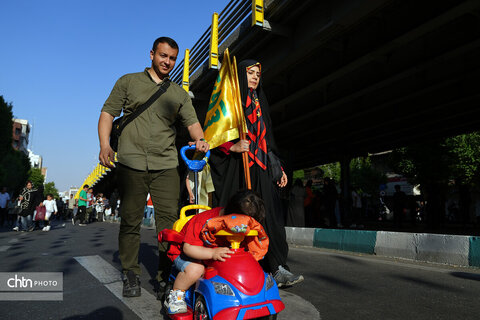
(191, 231)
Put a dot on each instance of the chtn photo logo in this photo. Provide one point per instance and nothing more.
(17, 282)
(22, 282)
(31, 286)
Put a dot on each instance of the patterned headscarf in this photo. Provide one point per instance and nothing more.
(257, 130)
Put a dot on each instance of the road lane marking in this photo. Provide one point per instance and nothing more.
(147, 307)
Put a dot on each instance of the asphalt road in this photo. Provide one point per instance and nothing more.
(337, 285)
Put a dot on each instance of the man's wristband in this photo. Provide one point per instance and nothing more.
(202, 139)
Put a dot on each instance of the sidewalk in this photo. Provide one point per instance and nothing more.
(456, 250)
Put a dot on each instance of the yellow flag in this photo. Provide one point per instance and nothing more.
(225, 114)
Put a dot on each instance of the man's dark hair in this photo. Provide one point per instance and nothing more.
(166, 40)
(247, 202)
(49, 195)
(85, 186)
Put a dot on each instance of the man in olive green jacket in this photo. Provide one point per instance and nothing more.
(147, 156)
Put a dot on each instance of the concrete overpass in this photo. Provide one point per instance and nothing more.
(348, 77)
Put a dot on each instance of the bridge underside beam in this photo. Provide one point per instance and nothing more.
(349, 77)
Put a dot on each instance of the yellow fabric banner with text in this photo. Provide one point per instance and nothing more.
(224, 112)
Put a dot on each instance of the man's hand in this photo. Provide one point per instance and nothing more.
(196, 133)
(107, 156)
(221, 253)
(240, 146)
(200, 146)
(283, 180)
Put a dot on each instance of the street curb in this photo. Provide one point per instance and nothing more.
(345, 240)
(474, 252)
(437, 248)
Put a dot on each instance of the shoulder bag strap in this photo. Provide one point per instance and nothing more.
(163, 88)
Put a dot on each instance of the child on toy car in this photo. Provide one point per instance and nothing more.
(244, 209)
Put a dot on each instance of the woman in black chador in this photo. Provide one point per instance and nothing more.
(228, 176)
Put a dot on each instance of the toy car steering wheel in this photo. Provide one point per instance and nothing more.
(236, 238)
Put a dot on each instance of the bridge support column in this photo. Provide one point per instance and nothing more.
(345, 182)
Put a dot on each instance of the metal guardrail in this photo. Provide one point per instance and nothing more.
(229, 18)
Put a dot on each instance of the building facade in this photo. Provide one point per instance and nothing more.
(20, 135)
(35, 159)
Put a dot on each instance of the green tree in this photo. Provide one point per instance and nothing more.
(435, 164)
(35, 175)
(6, 126)
(50, 189)
(331, 170)
(423, 163)
(464, 150)
(14, 165)
(364, 176)
(14, 168)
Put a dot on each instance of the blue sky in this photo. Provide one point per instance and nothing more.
(60, 59)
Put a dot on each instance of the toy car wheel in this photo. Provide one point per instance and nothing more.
(200, 311)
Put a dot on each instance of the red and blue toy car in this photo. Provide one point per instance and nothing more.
(236, 288)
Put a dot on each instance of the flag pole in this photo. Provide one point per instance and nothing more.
(241, 125)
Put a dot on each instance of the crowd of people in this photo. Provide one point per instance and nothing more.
(90, 208)
(307, 206)
(322, 205)
(31, 210)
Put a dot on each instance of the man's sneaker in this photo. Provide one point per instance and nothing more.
(73, 221)
(82, 224)
(176, 302)
(131, 285)
(15, 229)
(283, 277)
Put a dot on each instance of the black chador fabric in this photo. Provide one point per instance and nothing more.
(228, 176)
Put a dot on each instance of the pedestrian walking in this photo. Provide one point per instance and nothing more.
(227, 169)
(51, 210)
(147, 156)
(71, 205)
(399, 206)
(28, 200)
(82, 207)
(4, 199)
(296, 211)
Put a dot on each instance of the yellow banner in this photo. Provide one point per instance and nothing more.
(224, 114)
